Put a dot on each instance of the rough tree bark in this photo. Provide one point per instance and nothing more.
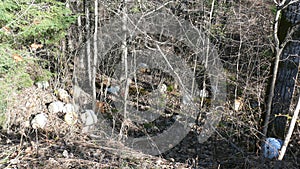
(287, 71)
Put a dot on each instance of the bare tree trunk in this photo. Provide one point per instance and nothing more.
(79, 25)
(79, 30)
(70, 42)
(278, 50)
(285, 73)
(124, 62)
(208, 48)
(95, 53)
(290, 132)
(83, 64)
(88, 42)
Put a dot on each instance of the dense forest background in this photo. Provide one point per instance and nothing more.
(41, 43)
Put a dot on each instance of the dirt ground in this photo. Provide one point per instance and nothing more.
(60, 145)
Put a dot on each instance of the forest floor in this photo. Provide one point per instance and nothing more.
(60, 145)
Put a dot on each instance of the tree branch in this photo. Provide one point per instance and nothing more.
(278, 50)
(291, 129)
